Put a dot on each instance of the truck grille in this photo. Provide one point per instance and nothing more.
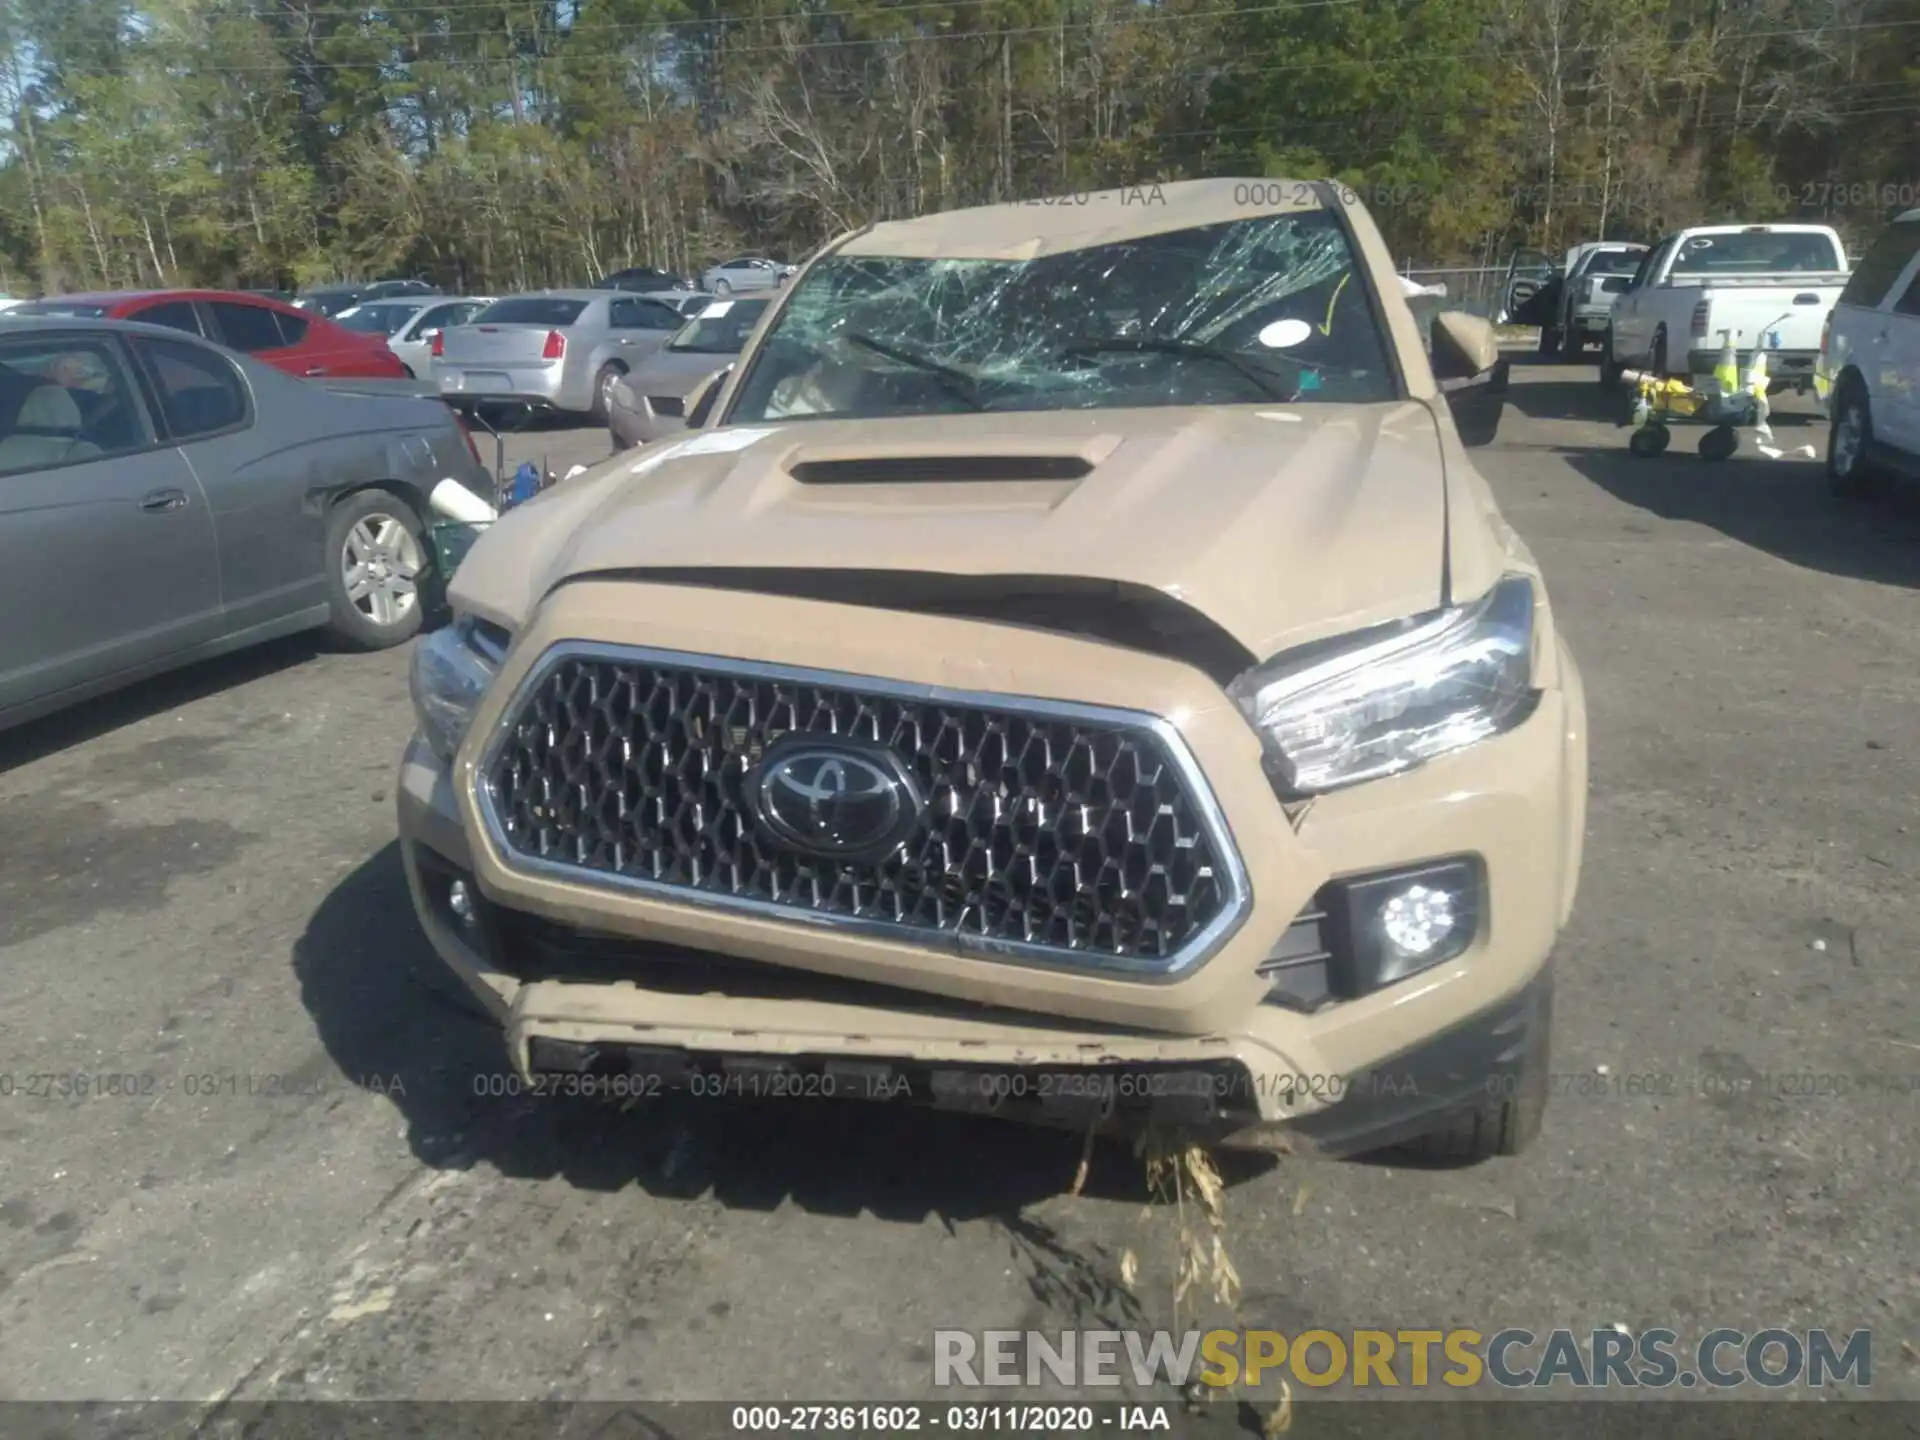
(1048, 832)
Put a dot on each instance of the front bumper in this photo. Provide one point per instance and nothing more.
(860, 1006)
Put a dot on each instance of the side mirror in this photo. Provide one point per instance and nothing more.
(1464, 346)
(430, 335)
(1473, 377)
(699, 404)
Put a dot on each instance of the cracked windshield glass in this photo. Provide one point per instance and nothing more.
(1248, 312)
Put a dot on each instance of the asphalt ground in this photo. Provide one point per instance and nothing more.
(307, 1195)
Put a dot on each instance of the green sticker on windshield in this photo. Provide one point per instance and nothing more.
(1309, 380)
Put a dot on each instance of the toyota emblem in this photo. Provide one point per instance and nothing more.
(835, 798)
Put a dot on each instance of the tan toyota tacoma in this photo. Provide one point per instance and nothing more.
(1069, 668)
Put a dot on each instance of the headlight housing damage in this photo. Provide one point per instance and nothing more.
(451, 670)
(1378, 704)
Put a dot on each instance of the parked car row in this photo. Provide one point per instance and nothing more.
(210, 499)
(1849, 331)
(300, 342)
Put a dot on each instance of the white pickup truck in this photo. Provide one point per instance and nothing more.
(1776, 281)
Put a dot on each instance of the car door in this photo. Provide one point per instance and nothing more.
(108, 552)
(249, 328)
(173, 314)
(325, 348)
(414, 343)
(256, 478)
(436, 318)
(1900, 366)
(1528, 273)
(1632, 335)
(639, 326)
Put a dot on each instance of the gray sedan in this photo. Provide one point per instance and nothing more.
(559, 350)
(209, 501)
(652, 401)
(746, 272)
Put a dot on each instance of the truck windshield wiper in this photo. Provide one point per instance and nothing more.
(1255, 373)
(957, 381)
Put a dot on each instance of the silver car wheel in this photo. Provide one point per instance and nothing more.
(722, 287)
(1849, 432)
(381, 564)
(607, 382)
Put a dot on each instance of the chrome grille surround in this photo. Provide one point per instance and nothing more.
(923, 897)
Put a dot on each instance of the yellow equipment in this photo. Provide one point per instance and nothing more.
(1734, 400)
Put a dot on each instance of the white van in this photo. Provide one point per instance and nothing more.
(1868, 370)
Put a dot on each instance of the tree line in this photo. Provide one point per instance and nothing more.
(492, 145)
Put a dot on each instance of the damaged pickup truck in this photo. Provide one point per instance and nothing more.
(1069, 669)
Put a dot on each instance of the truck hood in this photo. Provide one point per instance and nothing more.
(1280, 524)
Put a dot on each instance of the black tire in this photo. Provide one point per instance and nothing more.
(603, 382)
(354, 519)
(1503, 1126)
(1850, 468)
(1649, 440)
(1550, 340)
(1610, 369)
(1719, 443)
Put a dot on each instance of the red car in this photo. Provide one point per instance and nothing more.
(296, 341)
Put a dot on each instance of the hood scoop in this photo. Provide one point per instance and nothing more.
(939, 469)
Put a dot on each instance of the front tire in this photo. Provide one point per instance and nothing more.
(1505, 1125)
(603, 384)
(1611, 370)
(1850, 468)
(377, 568)
(722, 287)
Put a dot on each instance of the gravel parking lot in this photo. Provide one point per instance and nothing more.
(305, 1195)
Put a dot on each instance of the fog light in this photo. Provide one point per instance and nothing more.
(460, 902)
(1418, 920)
(1390, 925)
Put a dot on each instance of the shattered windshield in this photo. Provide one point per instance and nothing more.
(1248, 312)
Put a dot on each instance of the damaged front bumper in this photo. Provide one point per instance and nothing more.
(627, 994)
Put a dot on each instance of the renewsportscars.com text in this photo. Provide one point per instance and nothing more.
(1613, 1358)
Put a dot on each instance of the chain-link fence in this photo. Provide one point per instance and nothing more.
(1477, 289)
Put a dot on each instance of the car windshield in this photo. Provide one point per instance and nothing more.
(61, 307)
(376, 319)
(1245, 312)
(531, 310)
(1756, 252)
(721, 329)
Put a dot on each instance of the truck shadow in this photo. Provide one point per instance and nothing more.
(1781, 507)
(77, 724)
(374, 988)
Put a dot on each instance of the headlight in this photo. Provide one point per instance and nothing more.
(451, 671)
(1375, 706)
